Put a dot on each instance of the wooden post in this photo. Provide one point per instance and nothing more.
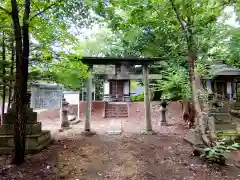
(147, 99)
(89, 100)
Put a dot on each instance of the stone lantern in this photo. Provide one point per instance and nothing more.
(64, 116)
(163, 110)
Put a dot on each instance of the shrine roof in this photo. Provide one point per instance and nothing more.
(221, 69)
(121, 60)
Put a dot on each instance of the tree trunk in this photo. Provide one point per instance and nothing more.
(199, 118)
(192, 56)
(11, 74)
(3, 75)
(20, 123)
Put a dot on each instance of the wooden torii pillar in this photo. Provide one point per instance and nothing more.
(88, 114)
(147, 104)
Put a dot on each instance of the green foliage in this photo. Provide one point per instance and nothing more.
(137, 98)
(217, 154)
(174, 85)
(151, 28)
(98, 80)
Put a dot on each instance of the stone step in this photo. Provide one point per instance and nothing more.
(8, 129)
(32, 141)
(225, 127)
(233, 135)
(116, 110)
(115, 116)
(37, 149)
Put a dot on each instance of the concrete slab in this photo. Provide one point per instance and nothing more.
(194, 138)
(114, 127)
(117, 132)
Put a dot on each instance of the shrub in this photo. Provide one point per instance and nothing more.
(139, 97)
(217, 154)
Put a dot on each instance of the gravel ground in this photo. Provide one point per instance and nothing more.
(129, 156)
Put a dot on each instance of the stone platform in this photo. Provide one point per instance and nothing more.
(193, 137)
(36, 139)
(115, 127)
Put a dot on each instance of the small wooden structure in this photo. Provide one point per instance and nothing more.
(117, 85)
(222, 80)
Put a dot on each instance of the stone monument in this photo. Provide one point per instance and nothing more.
(163, 110)
(64, 117)
(36, 138)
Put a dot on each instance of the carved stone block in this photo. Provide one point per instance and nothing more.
(36, 139)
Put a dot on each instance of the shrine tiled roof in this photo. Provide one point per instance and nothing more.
(221, 69)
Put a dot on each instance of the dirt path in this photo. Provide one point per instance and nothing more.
(130, 156)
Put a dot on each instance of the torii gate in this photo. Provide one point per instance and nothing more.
(145, 62)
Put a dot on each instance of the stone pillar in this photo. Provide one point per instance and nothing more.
(82, 94)
(93, 92)
(78, 115)
(147, 104)
(209, 86)
(229, 90)
(64, 117)
(33, 97)
(89, 100)
(126, 91)
(106, 89)
(234, 90)
(215, 88)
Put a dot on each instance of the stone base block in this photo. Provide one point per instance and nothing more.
(88, 133)
(34, 142)
(114, 132)
(8, 129)
(10, 117)
(145, 132)
(194, 138)
(164, 124)
(64, 129)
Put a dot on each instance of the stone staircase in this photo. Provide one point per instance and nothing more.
(226, 125)
(116, 110)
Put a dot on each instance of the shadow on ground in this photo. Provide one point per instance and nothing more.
(129, 156)
(139, 157)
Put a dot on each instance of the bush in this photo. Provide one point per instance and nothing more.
(217, 154)
(137, 98)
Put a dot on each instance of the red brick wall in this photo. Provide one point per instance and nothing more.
(96, 106)
(49, 114)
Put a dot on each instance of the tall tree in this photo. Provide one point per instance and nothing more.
(3, 74)
(22, 56)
